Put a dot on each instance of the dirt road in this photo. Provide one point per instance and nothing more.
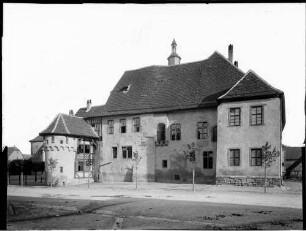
(123, 212)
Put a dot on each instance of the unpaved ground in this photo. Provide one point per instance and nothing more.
(122, 212)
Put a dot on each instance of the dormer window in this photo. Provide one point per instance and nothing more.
(125, 89)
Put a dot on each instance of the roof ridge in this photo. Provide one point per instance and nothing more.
(251, 71)
(50, 122)
(217, 52)
(234, 85)
(55, 125)
(72, 116)
(65, 124)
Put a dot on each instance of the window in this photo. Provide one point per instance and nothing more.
(52, 139)
(161, 132)
(80, 166)
(234, 157)
(61, 141)
(114, 152)
(176, 177)
(46, 140)
(97, 128)
(61, 169)
(127, 152)
(234, 117)
(123, 126)
(67, 139)
(202, 130)
(81, 148)
(165, 164)
(87, 148)
(110, 127)
(136, 124)
(215, 134)
(256, 117)
(256, 157)
(175, 132)
(208, 160)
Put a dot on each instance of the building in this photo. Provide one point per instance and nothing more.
(157, 110)
(14, 154)
(71, 141)
(37, 148)
(292, 162)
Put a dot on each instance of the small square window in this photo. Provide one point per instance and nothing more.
(176, 177)
(52, 139)
(61, 169)
(61, 141)
(165, 164)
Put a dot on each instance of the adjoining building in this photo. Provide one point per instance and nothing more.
(72, 142)
(14, 154)
(37, 145)
(158, 110)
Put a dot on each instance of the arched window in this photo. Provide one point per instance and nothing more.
(175, 132)
(161, 132)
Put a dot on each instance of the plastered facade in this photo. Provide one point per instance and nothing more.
(245, 137)
(144, 142)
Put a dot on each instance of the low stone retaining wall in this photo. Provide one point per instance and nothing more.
(248, 181)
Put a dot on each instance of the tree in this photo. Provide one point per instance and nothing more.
(89, 163)
(137, 158)
(268, 157)
(51, 165)
(190, 156)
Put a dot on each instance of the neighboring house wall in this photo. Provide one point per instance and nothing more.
(151, 166)
(245, 137)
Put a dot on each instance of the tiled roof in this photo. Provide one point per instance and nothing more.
(165, 88)
(250, 86)
(10, 150)
(292, 153)
(93, 111)
(69, 125)
(37, 139)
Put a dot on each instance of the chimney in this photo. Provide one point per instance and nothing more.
(88, 106)
(174, 58)
(71, 113)
(230, 53)
(236, 63)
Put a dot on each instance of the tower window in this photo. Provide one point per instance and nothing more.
(165, 164)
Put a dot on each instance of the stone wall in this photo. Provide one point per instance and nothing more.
(248, 181)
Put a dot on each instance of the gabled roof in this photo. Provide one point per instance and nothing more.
(37, 139)
(10, 150)
(69, 125)
(178, 87)
(94, 111)
(250, 86)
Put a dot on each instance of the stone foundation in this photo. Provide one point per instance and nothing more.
(248, 181)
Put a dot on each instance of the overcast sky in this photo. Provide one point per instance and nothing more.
(55, 57)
